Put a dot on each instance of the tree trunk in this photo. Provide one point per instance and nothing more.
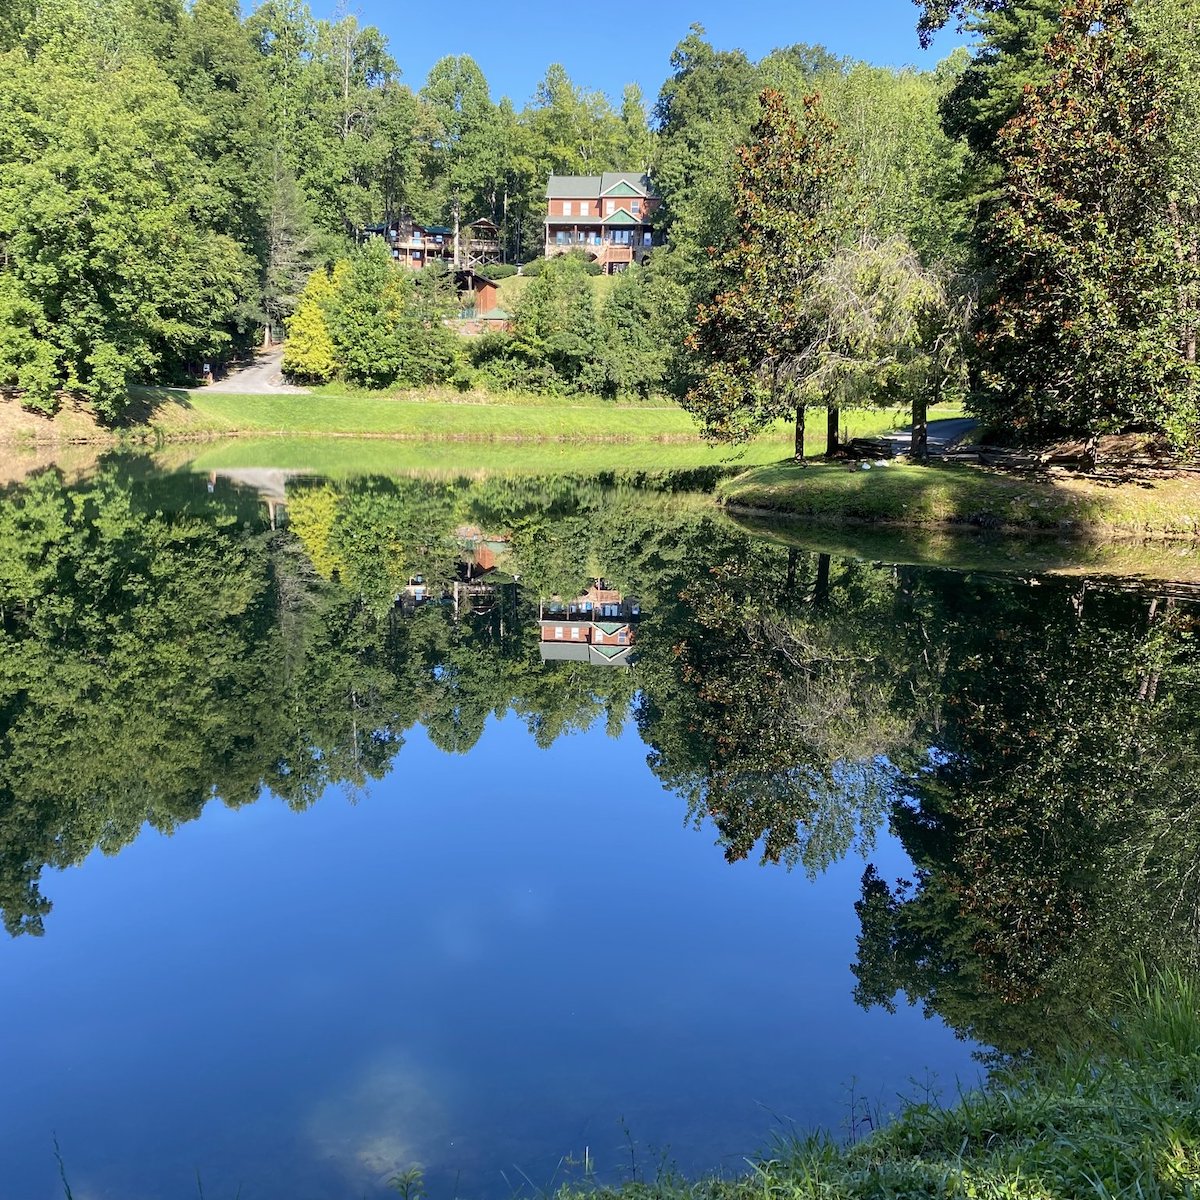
(919, 445)
(267, 334)
(457, 262)
(800, 434)
(832, 416)
(792, 559)
(1089, 453)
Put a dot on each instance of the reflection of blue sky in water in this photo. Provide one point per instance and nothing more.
(483, 966)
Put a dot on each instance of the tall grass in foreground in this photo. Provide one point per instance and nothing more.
(1117, 1119)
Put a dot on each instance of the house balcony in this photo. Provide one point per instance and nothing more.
(602, 250)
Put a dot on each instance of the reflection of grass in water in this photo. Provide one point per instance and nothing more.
(960, 549)
(345, 457)
(349, 456)
(910, 495)
(1111, 1121)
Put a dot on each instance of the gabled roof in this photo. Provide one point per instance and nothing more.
(621, 217)
(609, 656)
(625, 183)
(587, 187)
(611, 627)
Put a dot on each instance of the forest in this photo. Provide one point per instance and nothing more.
(1016, 229)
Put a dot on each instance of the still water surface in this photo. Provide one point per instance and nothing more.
(318, 864)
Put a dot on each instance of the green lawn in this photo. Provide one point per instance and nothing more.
(512, 288)
(936, 495)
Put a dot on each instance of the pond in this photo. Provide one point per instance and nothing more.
(543, 828)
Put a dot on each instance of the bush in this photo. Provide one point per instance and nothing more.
(497, 272)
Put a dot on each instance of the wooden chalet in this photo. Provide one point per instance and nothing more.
(415, 245)
(607, 217)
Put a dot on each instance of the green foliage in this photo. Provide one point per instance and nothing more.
(110, 275)
(1082, 332)
(755, 338)
(374, 324)
(310, 355)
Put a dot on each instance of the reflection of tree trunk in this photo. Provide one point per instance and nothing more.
(793, 558)
(919, 445)
(821, 586)
(832, 416)
(800, 414)
(1148, 686)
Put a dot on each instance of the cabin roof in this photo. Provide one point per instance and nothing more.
(586, 187)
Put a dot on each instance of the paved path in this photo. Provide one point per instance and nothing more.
(943, 433)
(263, 377)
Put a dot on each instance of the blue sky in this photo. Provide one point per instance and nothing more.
(515, 42)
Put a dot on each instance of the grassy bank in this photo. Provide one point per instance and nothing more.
(175, 415)
(1120, 1122)
(1163, 506)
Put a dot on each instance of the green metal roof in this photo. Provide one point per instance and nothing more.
(611, 627)
(621, 217)
(586, 187)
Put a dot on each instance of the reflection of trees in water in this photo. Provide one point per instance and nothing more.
(1055, 835)
(160, 646)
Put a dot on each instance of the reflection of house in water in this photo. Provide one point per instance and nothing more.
(478, 577)
(270, 484)
(599, 626)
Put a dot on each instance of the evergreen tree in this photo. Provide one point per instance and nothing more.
(310, 355)
(1082, 334)
(758, 337)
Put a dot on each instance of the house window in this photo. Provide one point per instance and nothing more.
(623, 638)
(636, 207)
(610, 206)
(583, 208)
(566, 208)
(560, 237)
(558, 633)
(646, 238)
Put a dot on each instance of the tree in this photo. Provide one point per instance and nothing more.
(630, 359)
(554, 327)
(461, 154)
(1081, 335)
(756, 338)
(287, 254)
(373, 323)
(109, 275)
(310, 355)
(884, 333)
(636, 148)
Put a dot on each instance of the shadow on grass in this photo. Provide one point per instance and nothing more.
(146, 401)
